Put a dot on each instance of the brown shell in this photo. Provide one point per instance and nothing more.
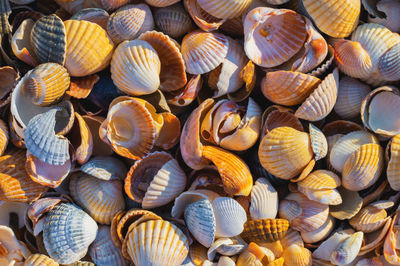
(81, 87)
(265, 230)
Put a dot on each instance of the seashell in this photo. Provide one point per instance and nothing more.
(49, 39)
(234, 172)
(224, 209)
(103, 251)
(370, 261)
(161, 3)
(89, 49)
(290, 238)
(324, 196)
(275, 145)
(9, 77)
(39, 259)
(327, 247)
(81, 139)
(155, 180)
(203, 20)
(226, 261)
(169, 134)
(276, 247)
(200, 220)
(105, 168)
(4, 137)
(187, 94)
(130, 73)
(5, 11)
(347, 251)
(322, 100)
(389, 64)
(128, 22)
(350, 206)
(81, 87)
(21, 45)
(203, 51)
(172, 75)
(333, 18)
(264, 200)
(99, 147)
(287, 87)
(13, 252)
(95, 15)
(369, 219)
(46, 84)
(278, 116)
(157, 242)
(188, 197)
(393, 169)
(197, 254)
(363, 168)
(321, 233)
(224, 9)
(263, 254)
(390, 8)
(319, 144)
(173, 20)
(67, 233)
(320, 179)
(226, 247)
(248, 258)
(297, 255)
(265, 230)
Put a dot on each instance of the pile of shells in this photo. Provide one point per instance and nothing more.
(200, 132)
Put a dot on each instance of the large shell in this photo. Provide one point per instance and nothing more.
(224, 209)
(157, 242)
(132, 73)
(49, 39)
(67, 233)
(224, 8)
(264, 200)
(273, 36)
(265, 230)
(393, 168)
(21, 43)
(105, 168)
(337, 19)
(155, 180)
(297, 255)
(89, 49)
(173, 20)
(389, 64)
(390, 8)
(369, 219)
(203, 51)
(348, 250)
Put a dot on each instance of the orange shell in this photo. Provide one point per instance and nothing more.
(170, 131)
(393, 169)
(81, 87)
(203, 20)
(99, 147)
(4, 137)
(187, 94)
(81, 139)
(265, 230)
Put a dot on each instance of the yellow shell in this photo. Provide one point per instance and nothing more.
(161, 3)
(4, 137)
(297, 255)
(224, 8)
(320, 179)
(393, 169)
(39, 260)
(198, 253)
(265, 230)
(369, 219)
(246, 258)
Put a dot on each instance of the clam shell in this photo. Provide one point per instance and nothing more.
(248, 258)
(95, 15)
(290, 238)
(157, 242)
(225, 9)
(131, 73)
(269, 41)
(351, 204)
(324, 196)
(264, 200)
(39, 260)
(200, 220)
(347, 251)
(277, 116)
(203, 51)
(105, 168)
(128, 22)
(224, 209)
(393, 169)
(226, 246)
(188, 197)
(265, 230)
(287, 87)
(333, 18)
(297, 255)
(4, 137)
(320, 179)
(21, 43)
(369, 219)
(321, 233)
(327, 247)
(49, 39)
(389, 64)
(173, 20)
(390, 8)
(319, 144)
(203, 20)
(81, 87)
(67, 233)
(111, 5)
(89, 49)
(172, 74)
(161, 3)
(226, 261)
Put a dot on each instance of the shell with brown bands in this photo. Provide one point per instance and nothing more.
(265, 230)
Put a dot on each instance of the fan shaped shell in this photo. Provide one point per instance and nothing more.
(264, 200)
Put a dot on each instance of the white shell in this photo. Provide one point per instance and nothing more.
(348, 250)
(188, 197)
(325, 250)
(320, 233)
(229, 216)
(264, 200)
(226, 246)
(105, 167)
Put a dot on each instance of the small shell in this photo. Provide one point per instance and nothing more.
(393, 168)
(369, 219)
(351, 204)
(265, 230)
(291, 237)
(99, 147)
(9, 77)
(105, 168)
(49, 40)
(321, 233)
(224, 209)
(324, 196)
(226, 246)
(95, 15)
(297, 255)
(247, 258)
(81, 87)
(347, 251)
(39, 260)
(278, 116)
(81, 139)
(203, 20)
(264, 200)
(268, 42)
(224, 9)
(21, 43)
(173, 20)
(188, 197)
(319, 144)
(203, 51)
(161, 3)
(197, 254)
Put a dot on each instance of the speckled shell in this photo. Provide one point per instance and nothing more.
(200, 220)
(264, 200)
(369, 219)
(105, 168)
(267, 35)
(39, 260)
(224, 209)
(67, 233)
(203, 51)
(297, 255)
(95, 15)
(337, 19)
(393, 168)
(21, 43)
(49, 40)
(157, 242)
(132, 73)
(128, 22)
(161, 3)
(265, 230)
(348, 250)
(173, 20)
(89, 49)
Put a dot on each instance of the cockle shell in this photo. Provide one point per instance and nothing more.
(321, 233)
(297, 255)
(67, 233)
(389, 64)
(13, 252)
(173, 20)
(327, 247)
(99, 147)
(197, 254)
(267, 35)
(95, 15)
(351, 204)
(224, 209)
(319, 144)
(263, 254)
(265, 230)
(81, 139)
(226, 8)
(4, 137)
(39, 259)
(89, 49)
(248, 258)
(278, 116)
(155, 180)
(105, 168)
(21, 43)
(291, 237)
(264, 200)
(347, 251)
(393, 169)
(188, 197)
(161, 3)
(9, 77)
(369, 219)
(203, 20)
(157, 242)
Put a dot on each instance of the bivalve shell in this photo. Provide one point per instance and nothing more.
(319, 144)
(173, 20)
(161, 3)
(4, 137)
(189, 197)
(327, 247)
(321, 233)
(348, 250)
(105, 168)
(351, 204)
(224, 210)
(21, 43)
(390, 8)
(95, 15)
(389, 64)
(39, 260)
(225, 8)
(265, 230)
(393, 168)
(297, 255)
(369, 219)
(264, 200)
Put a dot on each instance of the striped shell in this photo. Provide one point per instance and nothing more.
(203, 20)
(265, 230)
(369, 219)
(173, 20)
(351, 204)
(320, 179)
(264, 200)
(224, 209)
(224, 8)
(389, 64)
(39, 260)
(327, 247)
(105, 168)
(393, 168)
(321, 233)
(319, 144)
(188, 197)
(348, 250)
(297, 255)
(4, 137)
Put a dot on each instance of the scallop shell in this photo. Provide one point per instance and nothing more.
(203, 20)
(347, 251)
(95, 15)
(369, 219)
(21, 43)
(351, 204)
(265, 230)
(67, 233)
(297, 255)
(155, 180)
(89, 49)
(173, 20)
(293, 160)
(128, 22)
(390, 8)
(49, 39)
(224, 209)
(226, 8)
(39, 260)
(157, 242)
(105, 168)
(389, 64)
(264, 200)
(81, 87)
(321, 233)
(203, 51)
(333, 18)
(161, 3)
(319, 144)
(200, 220)
(188, 197)
(393, 169)
(172, 74)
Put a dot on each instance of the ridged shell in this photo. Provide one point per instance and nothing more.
(200, 220)
(322, 100)
(389, 64)
(363, 168)
(264, 200)
(321, 233)
(161, 3)
(265, 230)
(337, 19)
(39, 260)
(203, 51)
(319, 144)
(287, 87)
(9, 77)
(89, 49)
(291, 237)
(173, 20)
(131, 73)
(273, 36)
(203, 20)
(99, 198)
(327, 247)
(278, 116)
(188, 197)
(226, 246)
(393, 168)
(224, 209)
(81, 87)
(320, 179)
(67, 233)
(248, 258)
(157, 243)
(128, 22)
(351, 204)
(348, 250)
(225, 8)
(95, 15)
(172, 74)
(49, 39)
(324, 196)
(105, 168)
(292, 147)
(297, 255)
(21, 43)
(4, 137)
(369, 219)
